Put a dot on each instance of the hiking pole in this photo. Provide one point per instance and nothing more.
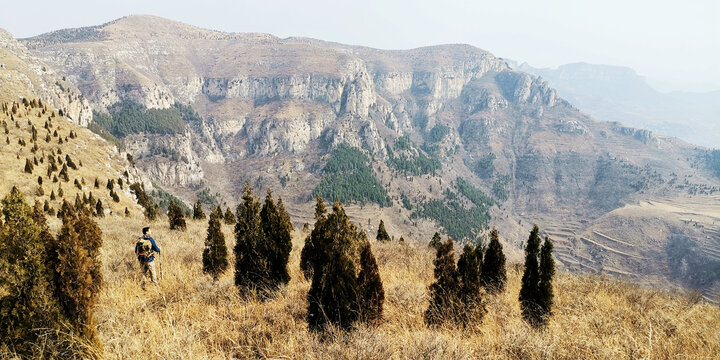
(160, 267)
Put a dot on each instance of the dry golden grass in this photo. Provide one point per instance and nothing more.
(99, 160)
(189, 317)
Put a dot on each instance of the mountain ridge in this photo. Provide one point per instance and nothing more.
(616, 93)
(269, 114)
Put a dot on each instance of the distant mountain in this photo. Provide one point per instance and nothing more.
(614, 93)
(444, 138)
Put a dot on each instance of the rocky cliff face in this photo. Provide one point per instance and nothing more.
(272, 109)
(22, 74)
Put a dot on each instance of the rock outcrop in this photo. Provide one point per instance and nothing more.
(22, 74)
(273, 109)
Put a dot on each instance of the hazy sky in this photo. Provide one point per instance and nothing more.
(675, 44)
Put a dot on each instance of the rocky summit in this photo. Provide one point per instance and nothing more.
(445, 138)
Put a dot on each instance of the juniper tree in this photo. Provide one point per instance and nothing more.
(176, 217)
(144, 200)
(78, 273)
(278, 241)
(48, 239)
(65, 210)
(336, 295)
(443, 292)
(468, 268)
(435, 241)
(529, 294)
(382, 234)
(229, 217)
(99, 210)
(151, 211)
(115, 197)
(251, 267)
(27, 305)
(70, 162)
(493, 268)
(28, 166)
(63, 174)
(370, 287)
(545, 286)
(214, 255)
(217, 212)
(91, 235)
(284, 216)
(198, 213)
(79, 205)
(309, 251)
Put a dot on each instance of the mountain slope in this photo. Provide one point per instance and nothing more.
(23, 75)
(42, 117)
(615, 93)
(38, 145)
(452, 134)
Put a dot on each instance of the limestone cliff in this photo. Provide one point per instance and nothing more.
(271, 110)
(22, 74)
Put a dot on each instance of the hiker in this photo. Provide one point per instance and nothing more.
(145, 249)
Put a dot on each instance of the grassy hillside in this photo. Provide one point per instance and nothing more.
(93, 157)
(189, 316)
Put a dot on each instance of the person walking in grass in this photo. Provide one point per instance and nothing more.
(146, 249)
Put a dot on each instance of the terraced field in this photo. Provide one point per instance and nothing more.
(634, 241)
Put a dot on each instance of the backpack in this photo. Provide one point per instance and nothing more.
(143, 249)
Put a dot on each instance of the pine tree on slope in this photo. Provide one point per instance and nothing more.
(278, 241)
(198, 213)
(176, 217)
(443, 292)
(251, 267)
(229, 217)
(371, 287)
(435, 241)
(493, 268)
(382, 234)
(214, 255)
(29, 305)
(309, 252)
(529, 295)
(547, 271)
(346, 286)
(468, 268)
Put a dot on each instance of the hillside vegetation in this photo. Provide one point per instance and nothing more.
(277, 113)
(34, 133)
(189, 316)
